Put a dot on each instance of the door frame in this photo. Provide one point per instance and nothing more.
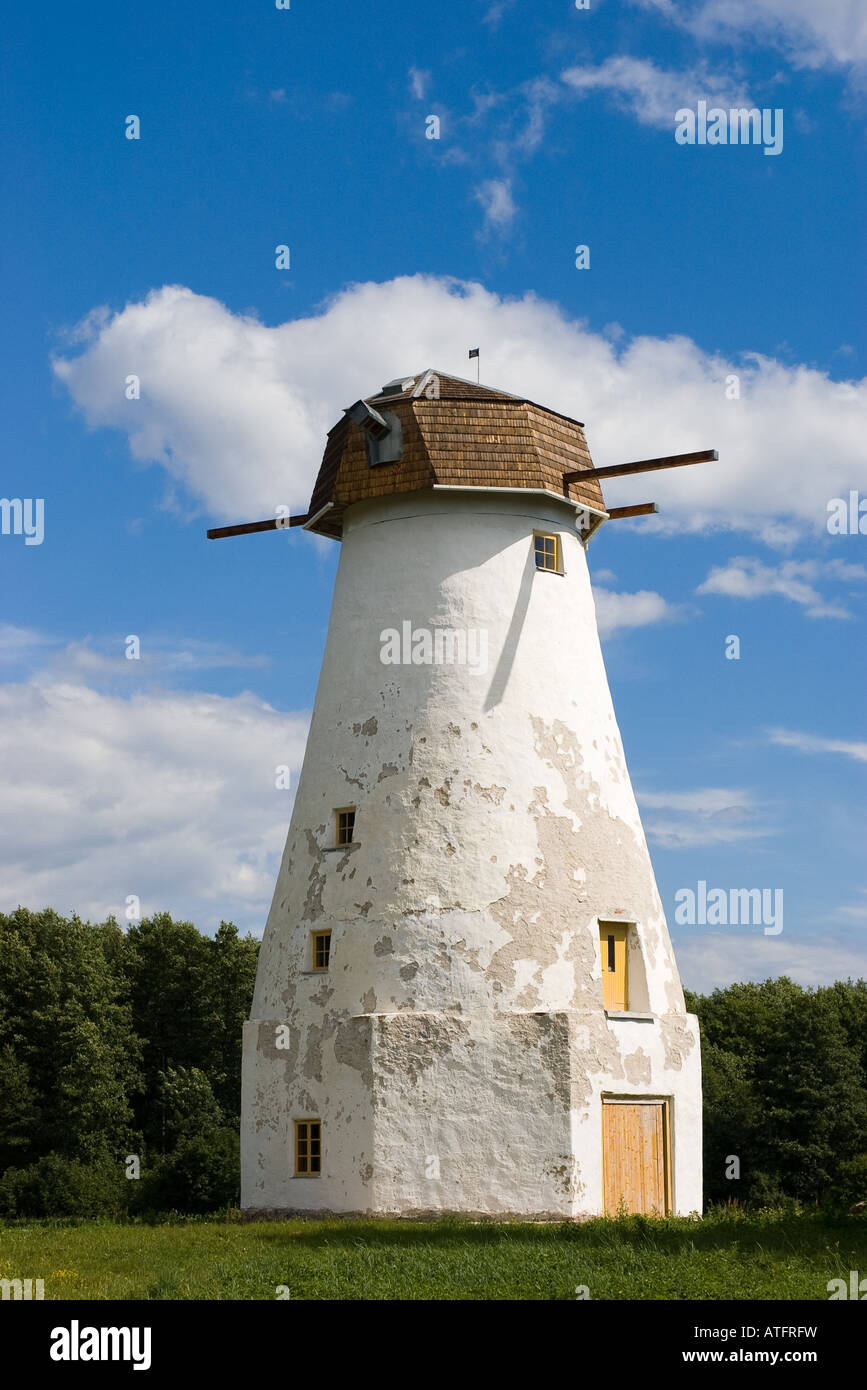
(667, 1103)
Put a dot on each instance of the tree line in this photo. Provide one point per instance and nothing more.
(784, 1074)
(120, 1064)
(120, 1073)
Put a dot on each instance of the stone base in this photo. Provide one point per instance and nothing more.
(428, 1114)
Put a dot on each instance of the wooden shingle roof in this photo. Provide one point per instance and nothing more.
(455, 433)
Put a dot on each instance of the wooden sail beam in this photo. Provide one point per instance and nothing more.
(617, 470)
(620, 470)
(637, 509)
(249, 528)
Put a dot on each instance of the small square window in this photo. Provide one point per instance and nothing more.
(547, 552)
(308, 1148)
(345, 819)
(321, 949)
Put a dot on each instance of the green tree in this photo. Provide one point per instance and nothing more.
(230, 975)
(19, 1109)
(64, 1017)
(116, 1042)
(784, 1086)
(811, 1096)
(730, 1116)
(165, 968)
(185, 1106)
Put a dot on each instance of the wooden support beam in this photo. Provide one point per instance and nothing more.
(620, 470)
(638, 509)
(248, 528)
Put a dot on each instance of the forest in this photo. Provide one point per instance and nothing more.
(120, 1066)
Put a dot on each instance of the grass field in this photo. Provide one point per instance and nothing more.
(729, 1254)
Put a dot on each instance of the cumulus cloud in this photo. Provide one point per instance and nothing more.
(616, 611)
(167, 796)
(651, 94)
(236, 411)
(813, 743)
(709, 960)
(705, 816)
(214, 396)
(745, 577)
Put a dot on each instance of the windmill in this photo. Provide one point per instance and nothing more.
(466, 998)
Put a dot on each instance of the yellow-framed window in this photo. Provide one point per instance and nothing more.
(321, 950)
(308, 1148)
(547, 548)
(615, 985)
(344, 818)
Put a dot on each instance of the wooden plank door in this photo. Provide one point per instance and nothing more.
(635, 1156)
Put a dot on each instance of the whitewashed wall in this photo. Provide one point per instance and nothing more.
(460, 1028)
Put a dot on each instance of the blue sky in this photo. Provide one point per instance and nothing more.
(307, 127)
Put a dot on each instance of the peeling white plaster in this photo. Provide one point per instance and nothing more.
(495, 826)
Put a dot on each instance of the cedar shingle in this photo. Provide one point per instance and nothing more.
(469, 435)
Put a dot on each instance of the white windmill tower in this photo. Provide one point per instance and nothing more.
(467, 999)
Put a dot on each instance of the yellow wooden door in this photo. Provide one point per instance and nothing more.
(612, 943)
(635, 1156)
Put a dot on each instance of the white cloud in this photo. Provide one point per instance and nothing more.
(214, 398)
(842, 569)
(21, 643)
(615, 611)
(167, 796)
(856, 910)
(418, 82)
(537, 97)
(709, 960)
(104, 663)
(652, 94)
(495, 197)
(236, 412)
(746, 577)
(811, 35)
(706, 801)
(495, 13)
(812, 743)
(706, 816)
(158, 658)
(497, 133)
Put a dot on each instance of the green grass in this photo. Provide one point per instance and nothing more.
(730, 1254)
